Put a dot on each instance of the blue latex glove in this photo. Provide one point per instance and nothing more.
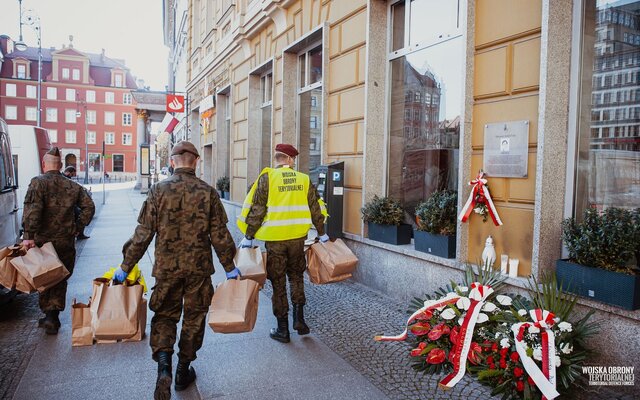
(119, 275)
(234, 274)
(246, 243)
(324, 238)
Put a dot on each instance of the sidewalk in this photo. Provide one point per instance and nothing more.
(239, 366)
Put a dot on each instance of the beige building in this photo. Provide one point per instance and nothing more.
(403, 92)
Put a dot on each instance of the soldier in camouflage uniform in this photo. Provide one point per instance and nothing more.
(187, 218)
(285, 258)
(49, 216)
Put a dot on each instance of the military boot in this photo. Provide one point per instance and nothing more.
(163, 383)
(298, 320)
(51, 322)
(281, 333)
(185, 375)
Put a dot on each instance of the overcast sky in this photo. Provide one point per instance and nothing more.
(126, 29)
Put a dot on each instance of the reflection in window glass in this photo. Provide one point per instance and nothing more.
(608, 172)
(397, 34)
(310, 134)
(432, 20)
(315, 65)
(302, 63)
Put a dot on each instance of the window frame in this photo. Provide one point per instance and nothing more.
(75, 74)
(8, 107)
(13, 92)
(51, 90)
(67, 92)
(55, 114)
(92, 98)
(113, 138)
(91, 137)
(110, 121)
(67, 132)
(70, 116)
(113, 162)
(33, 111)
(66, 73)
(127, 121)
(109, 98)
(130, 136)
(53, 135)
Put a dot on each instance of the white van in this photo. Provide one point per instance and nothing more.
(29, 144)
(9, 222)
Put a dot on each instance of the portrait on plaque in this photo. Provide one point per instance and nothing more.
(506, 149)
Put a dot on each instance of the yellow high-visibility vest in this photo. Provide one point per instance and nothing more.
(288, 215)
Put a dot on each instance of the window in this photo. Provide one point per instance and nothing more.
(109, 97)
(52, 115)
(126, 98)
(70, 136)
(22, 71)
(91, 137)
(94, 162)
(71, 95)
(109, 118)
(91, 117)
(607, 173)
(65, 73)
(313, 124)
(310, 111)
(310, 67)
(52, 93)
(90, 96)
(266, 88)
(425, 66)
(31, 113)
(11, 112)
(109, 138)
(32, 92)
(126, 119)
(76, 74)
(10, 90)
(127, 139)
(118, 163)
(118, 80)
(70, 116)
(53, 135)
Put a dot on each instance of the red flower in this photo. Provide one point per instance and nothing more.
(416, 352)
(435, 356)
(503, 364)
(494, 347)
(453, 336)
(438, 331)
(492, 366)
(514, 357)
(425, 316)
(503, 352)
(474, 353)
(452, 354)
(518, 372)
(490, 360)
(519, 386)
(420, 329)
(531, 382)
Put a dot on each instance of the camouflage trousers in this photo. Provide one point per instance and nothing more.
(170, 298)
(54, 298)
(286, 259)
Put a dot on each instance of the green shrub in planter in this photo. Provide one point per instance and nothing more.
(223, 185)
(437, 221)
(384, 217)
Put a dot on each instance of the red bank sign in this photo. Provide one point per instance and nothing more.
(175, 103)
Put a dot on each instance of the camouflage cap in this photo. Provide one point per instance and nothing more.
(184, 147)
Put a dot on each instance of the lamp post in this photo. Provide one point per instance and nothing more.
(83, 104)
(30, 18)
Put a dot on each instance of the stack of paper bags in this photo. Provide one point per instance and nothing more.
(39, 268)
(330, 262)
(234, 307)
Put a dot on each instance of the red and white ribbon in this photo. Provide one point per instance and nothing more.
(429, 305)
(544, 379)
(479, 191)
(478, 296)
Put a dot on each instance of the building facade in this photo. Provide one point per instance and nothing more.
(404, 93)
(86, 99)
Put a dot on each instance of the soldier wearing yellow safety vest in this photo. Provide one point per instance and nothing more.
(279, 209)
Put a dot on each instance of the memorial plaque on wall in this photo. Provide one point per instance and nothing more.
(506, 149)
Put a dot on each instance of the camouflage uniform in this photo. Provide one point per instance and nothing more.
(187, 216)
(284, 258)
(49, 216)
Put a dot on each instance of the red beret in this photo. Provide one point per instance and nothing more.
(287, 149)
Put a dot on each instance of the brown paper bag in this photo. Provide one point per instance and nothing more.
(142, 323)
(251, 264)
(114, 310)
(234, 307)
(41, 267)
(81, 333)
(330, 262)
(8, 273)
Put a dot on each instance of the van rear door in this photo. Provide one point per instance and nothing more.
(9, 227)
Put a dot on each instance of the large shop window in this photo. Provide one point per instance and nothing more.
(608, 157)
(426, 78)
(310, 111)
(118, 163)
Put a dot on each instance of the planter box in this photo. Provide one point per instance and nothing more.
(225, 195)
(391, 234)
(438, 245)
(608, 287)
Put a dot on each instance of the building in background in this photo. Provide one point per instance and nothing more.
(86, 99)
(175, 28)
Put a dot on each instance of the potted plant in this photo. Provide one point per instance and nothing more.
(601, 250)
(384, 218)
(437, 220)
(222, 184)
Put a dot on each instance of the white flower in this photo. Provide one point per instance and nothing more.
(522, 312)
(537, 354)
(482, 317)
(565, 326)
(504, 343)
(504, 300)
(479, 210)
(534, 329)
(566, 348)
(498, 334)
(558, 361)
(448, 314)
(489, 307)
(463, 303)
